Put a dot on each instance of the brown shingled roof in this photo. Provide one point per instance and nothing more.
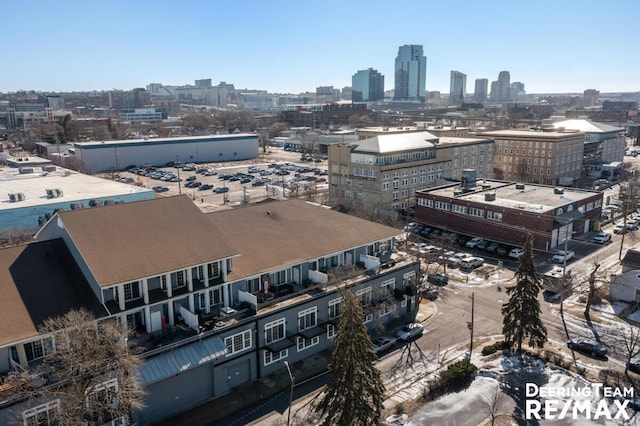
(39, 281)
(129, 241)
(285, 232)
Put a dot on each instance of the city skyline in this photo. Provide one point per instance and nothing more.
(284, 47)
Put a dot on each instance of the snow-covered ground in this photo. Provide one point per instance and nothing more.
(471, 406)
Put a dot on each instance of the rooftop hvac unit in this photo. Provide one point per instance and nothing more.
(16, 196)
(486, 186)
(54, 193)
(490, 196)
(49, 168)
(558, 190)
(520, 186)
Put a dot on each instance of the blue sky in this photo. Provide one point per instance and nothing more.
(294, 46)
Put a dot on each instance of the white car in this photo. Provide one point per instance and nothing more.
(602, 238)
(471, 262)
(383, 343)
(456, 259)
(410, 331)
(563, 256)
(472, 243)
(516, 253)
(619, 229)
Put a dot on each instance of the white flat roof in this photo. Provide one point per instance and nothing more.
(74, 185)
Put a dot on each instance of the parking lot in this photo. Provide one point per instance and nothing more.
(220, 185)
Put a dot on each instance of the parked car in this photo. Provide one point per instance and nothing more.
(563, 256)
(601, 238)
(446, 255)
(160, 188)
(516, 253)
(471, 262)
(438, 279)
(410, 331)
(482, 245)
(431, 293)
(455, 259)
(205, 187)
(587, 346)
(491, 248)
(221, 189)
(619, 229)
(502, 251)
(632, 224)
(473, 243)
(383, 343)
(245, 180)
(634, 365)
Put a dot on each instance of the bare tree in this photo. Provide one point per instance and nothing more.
(494, 400)
(631, 339)
(92, 373)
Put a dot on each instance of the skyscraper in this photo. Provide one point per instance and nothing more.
(457, 87)
(504, 86)
(367, 86)
(411, 71)
(480, 93)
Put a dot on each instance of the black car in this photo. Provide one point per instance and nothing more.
(205, 187)
(221, 189)
(438, 279)
(634, 365)
(587, 346)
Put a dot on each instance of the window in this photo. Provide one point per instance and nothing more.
(41, 414)
(440, 205)
(199, 272)
(494, 216)
(386, 288)
(403, 304)
(476, 212)
(39, 348)
(238, 342)
(459, 209)
(271, 357)
(368, 318)
(274, 331)
(307, 318)
(215, 296)
(387, 309)
(132, 291)
(181, 280)
(332, 330)
(213, 269)
(335, 308)
(304, 343)
(253, 285)
(364, 295)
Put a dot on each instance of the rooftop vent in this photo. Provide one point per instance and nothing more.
(490, 196)
(54, 193)
(457, 191)
(485, 186)
(16, 196)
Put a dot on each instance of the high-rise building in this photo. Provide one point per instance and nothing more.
(590, 97)
(411, 71)
(457, 87)
(503, 86)
(205, 82)
(367, 86)
(480, 93)
(517, 90)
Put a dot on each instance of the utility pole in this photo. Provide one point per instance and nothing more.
(177, 166)
(290, 393)
(471, 327)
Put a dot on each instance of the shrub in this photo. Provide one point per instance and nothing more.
(497, 346)
(460, 372)
(399, 408)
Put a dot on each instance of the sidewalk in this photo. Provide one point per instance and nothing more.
(253, 393)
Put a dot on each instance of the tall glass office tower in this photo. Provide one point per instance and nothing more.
(411, 71)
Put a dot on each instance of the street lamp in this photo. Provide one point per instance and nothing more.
(290, 393)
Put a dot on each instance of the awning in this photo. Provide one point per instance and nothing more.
(280, 345)
(185, 358)
(567, 217)
(310, 332)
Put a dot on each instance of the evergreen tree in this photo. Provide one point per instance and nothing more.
(521, 314)
(355, 392)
